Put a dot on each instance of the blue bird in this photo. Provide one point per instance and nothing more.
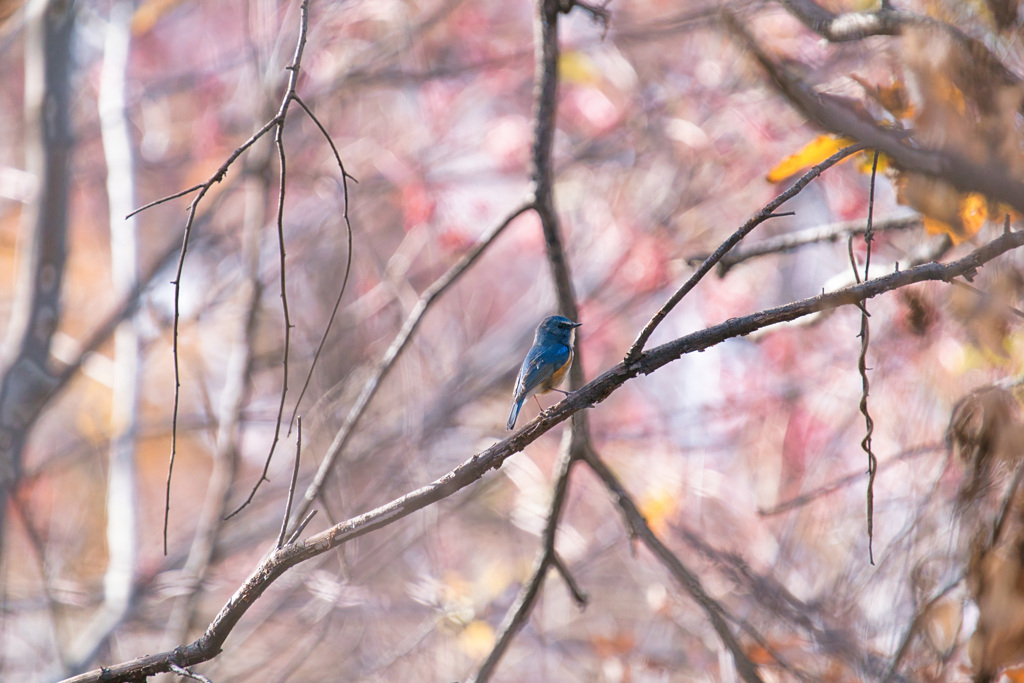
(546, 363)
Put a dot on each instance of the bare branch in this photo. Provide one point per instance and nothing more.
(185, 673)
(862, 363)
(492, 458)
(886, 21)
(639, 529)
(164, 200)
(821, 491)
(277, 124)
(578, 594)
(279, 120)
(792, 241)
(576, 439)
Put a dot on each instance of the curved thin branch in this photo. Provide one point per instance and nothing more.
(279, 119)
(348, 259)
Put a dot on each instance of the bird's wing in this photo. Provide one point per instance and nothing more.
(539, 366)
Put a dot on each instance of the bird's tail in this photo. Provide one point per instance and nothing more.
(514, 413)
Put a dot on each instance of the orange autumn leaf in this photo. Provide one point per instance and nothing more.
(658, 507)
(477, 639)
(621, 643)
(814, 152)
(149, 13)
(972, 211)
(893, 97)
(865, 161)
(578, 68)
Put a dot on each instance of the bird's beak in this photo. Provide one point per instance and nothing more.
(576, 324)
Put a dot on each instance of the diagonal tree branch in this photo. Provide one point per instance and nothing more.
(476, 467)
(639, 528)
(521, 609)
(886, 21)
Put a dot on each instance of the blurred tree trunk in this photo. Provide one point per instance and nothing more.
(26, 380)
(122, 511)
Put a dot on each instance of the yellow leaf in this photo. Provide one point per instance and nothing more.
(894, 97)
(576, 67)
(151, 12)
(866, 159)
(972, 211)
(477, 639)
(814, 152)
(658, 507)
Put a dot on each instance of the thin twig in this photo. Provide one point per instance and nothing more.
(302, 525)
(348, 259)
(787, 611)
(166, 199)
(185, 673)
(282, 114)
(292, 484)
(761, 216)
(276, 122)
(862, 368)
(578, 594)
(520, 610)
(792, 241)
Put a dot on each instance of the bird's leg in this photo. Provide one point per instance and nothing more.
(537, 400)
(547, 411)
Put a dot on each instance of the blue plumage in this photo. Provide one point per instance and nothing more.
(546, 363)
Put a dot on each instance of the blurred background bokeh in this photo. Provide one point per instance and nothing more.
(666, 131)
